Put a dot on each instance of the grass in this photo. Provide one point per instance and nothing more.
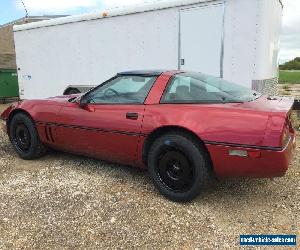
(289, 77)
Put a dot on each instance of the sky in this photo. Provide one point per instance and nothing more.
(13, 9)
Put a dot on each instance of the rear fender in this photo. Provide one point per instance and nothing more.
(274, 130)
(277, 122)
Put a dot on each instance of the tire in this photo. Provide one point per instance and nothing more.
(72, 92)
(25, 138)
(178, 166)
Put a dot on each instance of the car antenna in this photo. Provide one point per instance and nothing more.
(26, 11)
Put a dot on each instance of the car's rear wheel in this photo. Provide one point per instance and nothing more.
(179, 166)
(25, 138)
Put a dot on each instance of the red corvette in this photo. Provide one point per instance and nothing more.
(181, 126)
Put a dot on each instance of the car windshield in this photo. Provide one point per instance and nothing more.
(202, 88)
(131, 89)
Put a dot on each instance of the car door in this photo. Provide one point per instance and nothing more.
(108, 125)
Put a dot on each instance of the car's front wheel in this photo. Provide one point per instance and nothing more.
(179, 166)
(25, 138)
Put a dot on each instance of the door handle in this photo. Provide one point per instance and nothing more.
(132, 116)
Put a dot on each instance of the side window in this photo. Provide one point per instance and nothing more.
(178, 89)
(200, 88)
(180, 81)
(123, 90)
(186, 89)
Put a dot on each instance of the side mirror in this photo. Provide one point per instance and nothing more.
(83, 102)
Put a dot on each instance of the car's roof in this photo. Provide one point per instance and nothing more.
(142, 73)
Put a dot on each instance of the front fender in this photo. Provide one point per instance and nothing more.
(40, 111)
(6, 113)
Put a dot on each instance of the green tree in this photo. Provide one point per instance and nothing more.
(291, 65)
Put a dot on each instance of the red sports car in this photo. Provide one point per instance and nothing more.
(182, 126)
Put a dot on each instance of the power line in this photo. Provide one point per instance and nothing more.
(25, 9)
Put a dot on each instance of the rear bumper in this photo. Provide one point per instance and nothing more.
(271, 163)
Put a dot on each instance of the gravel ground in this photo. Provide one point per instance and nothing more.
(68, 202)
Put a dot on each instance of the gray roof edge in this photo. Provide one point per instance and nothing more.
(45, 17)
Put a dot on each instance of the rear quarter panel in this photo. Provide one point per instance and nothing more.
(235, 124)
(215, 123)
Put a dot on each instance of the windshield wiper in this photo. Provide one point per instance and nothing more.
(226, 100)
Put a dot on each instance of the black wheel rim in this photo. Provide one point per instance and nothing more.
(22, 137)
(175, 171)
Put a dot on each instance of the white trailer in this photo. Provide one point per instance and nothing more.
(234, 39)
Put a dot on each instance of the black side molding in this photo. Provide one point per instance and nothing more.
(243, 146)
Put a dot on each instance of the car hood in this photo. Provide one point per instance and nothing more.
(41, 109)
